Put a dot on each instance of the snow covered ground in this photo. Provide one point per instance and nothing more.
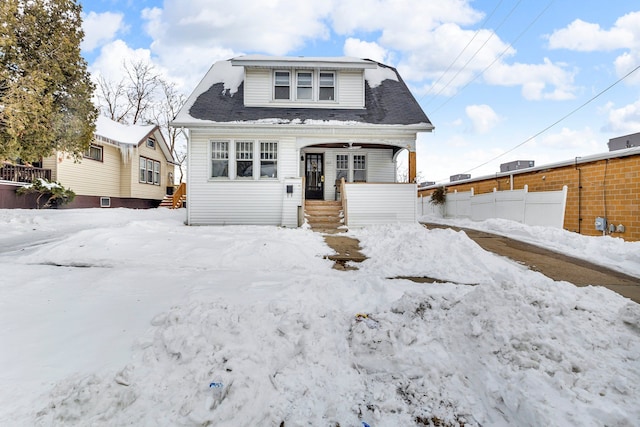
(128, 317)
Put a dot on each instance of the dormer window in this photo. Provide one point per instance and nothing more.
(282, 85)
(305, 85)
(327, 86)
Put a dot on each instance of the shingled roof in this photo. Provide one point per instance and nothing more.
(386, 103)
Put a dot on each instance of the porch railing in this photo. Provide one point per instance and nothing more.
(177, 196)
(20, 173)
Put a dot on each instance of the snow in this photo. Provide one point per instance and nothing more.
(129, 317)
(376, 76)
(121, 133)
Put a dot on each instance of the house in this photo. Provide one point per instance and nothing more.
(268, 134)
(125, 166)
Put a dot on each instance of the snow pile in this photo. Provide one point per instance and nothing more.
(609, 251)
(172, 325)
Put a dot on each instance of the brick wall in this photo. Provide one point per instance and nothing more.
(609, 188)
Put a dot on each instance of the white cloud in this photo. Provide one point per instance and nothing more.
(624, 120)
(100, 28)
(587, 37)
(483, 117)
(113, 56)
(535, 79)
(362, 49)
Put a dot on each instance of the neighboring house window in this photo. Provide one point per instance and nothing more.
(149, 171)
(244, 159)
(94, 153)
(282, 85)
(327, 86)
(268, 159)
(342, 167)
(304, 88)
(359, 168)
(151, 143)
(219, 159)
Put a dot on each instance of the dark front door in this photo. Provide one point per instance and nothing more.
(314, 176)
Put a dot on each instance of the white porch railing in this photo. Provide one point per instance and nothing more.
(379, 203)
(545, 208)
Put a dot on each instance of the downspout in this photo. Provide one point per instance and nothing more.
(579, 196)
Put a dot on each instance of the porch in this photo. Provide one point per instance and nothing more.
(23, 174)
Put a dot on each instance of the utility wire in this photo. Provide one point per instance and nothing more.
(493, 33)
(433, 85)
(556, 122)
(497, 58)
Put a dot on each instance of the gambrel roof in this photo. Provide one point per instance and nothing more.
(219, 98)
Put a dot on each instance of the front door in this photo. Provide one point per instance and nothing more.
(314, 167)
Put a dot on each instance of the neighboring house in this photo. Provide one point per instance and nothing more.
(267, 133)
(125, 166)
(603, 190)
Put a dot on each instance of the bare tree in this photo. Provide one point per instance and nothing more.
(111, 96)
(141, 87)
(143, 96)
(165, 111)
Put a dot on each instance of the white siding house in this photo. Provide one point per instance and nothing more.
(267, 133)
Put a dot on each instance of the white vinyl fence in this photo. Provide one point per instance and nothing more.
(545, 208)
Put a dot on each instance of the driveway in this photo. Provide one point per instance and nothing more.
(555, 265)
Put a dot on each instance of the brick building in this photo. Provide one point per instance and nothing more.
(604, 185)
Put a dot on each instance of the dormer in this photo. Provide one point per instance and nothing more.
(304, 82)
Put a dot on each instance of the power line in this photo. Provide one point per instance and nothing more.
(556, 122)
(493, 33)
(462, 51)
(497, 58)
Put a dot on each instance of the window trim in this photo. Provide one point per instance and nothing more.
(354, 169)
(250, 159)
(99, 148)
(148, 174)
(309, 86)
(321, 86)
(151, 143)
(269, 152)
(276, 85)
(226, 159)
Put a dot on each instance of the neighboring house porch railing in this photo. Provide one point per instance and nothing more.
(20, 173)
(178, 194)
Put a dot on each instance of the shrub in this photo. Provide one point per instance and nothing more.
(439, 196)
(54, 193)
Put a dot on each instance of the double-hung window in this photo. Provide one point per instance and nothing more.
(149, 171)
(282, 87)
(359, 168)
(268, 159)
(244, 159)
(219, 159)
(304, 89)
(327, 86)
(342, 167)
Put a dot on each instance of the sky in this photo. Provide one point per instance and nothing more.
(251, 326)
(500, 80)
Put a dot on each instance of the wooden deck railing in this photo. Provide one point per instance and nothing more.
(178, 194)
(19, 173)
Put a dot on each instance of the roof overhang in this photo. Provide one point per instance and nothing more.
(334, 63)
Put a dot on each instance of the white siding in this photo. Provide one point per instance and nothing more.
(351, 89)
(380, 203)
(258, 90)
(257, 86)
(235, 201)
